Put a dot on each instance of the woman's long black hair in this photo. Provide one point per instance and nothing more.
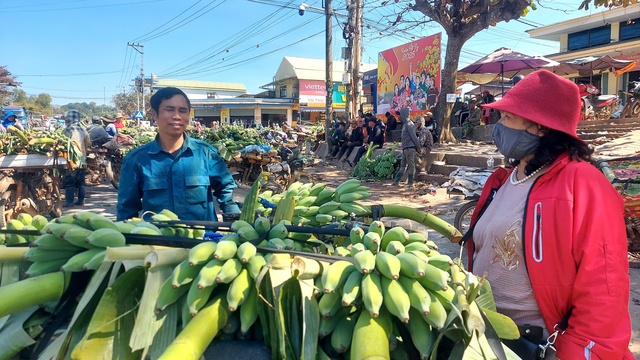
(555, 143)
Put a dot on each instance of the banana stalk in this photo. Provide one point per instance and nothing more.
(32, 292)
(432, 221)
(10, 254)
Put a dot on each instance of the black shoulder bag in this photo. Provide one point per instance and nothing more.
(531, 344)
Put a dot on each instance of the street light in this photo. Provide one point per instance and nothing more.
(328, 12)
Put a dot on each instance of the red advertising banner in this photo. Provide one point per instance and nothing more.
(313, 93)
(409, 76)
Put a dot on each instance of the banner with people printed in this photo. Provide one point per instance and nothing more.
(409, 76)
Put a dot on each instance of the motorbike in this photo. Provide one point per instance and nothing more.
(595, 106)
(632, 107)
(104, 161)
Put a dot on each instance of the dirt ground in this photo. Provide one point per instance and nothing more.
(436, 201)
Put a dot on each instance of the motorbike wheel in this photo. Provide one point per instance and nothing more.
(113, 176)
(462, 220)
(635, 110)
(56, 209)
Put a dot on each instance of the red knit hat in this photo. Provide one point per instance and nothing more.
(546, 99)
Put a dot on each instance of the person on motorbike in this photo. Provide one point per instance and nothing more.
(175, 171)
(10, 119)
(99, 136)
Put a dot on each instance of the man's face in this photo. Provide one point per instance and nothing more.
(172, 117)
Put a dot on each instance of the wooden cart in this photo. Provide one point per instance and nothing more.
(29, 184)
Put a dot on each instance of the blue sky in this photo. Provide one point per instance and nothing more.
(76, 50)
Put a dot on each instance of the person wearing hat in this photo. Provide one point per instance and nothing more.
(355, 139)
(175, 171)
(111, 128)
(75, 179)
(473, 120)
(376, 137)
(10, 119)
(549, 233)
(119, 124)
(426, 144)
(98, 135)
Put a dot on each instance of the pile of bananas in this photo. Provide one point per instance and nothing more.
(16, 141)
(316, 204)
(391, 273)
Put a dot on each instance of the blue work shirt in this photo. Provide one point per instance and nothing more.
(153, 179)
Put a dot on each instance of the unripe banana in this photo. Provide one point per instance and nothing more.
(208, 274)
(229, 271)
(442, 262)
(249, 311)
(77, 236)
(437, 314)
(278, 231)
(395, 247)
(239, 290)
(52, 242)
(418, 295)
(410, 265)
(396, 233)
(180, 232)
(396, 299)
(434, 278)
(106, 237)
(377, 227)
(238, 224)
(365, 261)
(371, 241)
(202, 253)
(323, 218)
(39, 221)
(328, 325)
(347, 186)
(197, 297)
(100, 222)
(246, 251)
(169, 295)
(276, 243)
(329, 304)
(336, 275)
(371, 337)
(141, 230)
(36, 254)
(341, 336)
(184, 274)
(324, 196)
(170, 214)
(423, 335)
(157, 230)
(25, 218)
(125, 227)
(255, 264)
(417, 246)
(328, 206)
(57, 229)
(79, 218)
(351, 207)
(44, 267)
(388, 265)
(95, 261)
(262, 225)
(307, 201)
(417, 237)
(248, 233)
(355, 196)
(420, 255)
(357, 248)
(371, 291)
(166, 231)
(342, 251)
(225, 250)
(351, 289)
(76, 263)
(160, 218)
(316, 189)
(339, 214)
(432, 245)
(289, 244)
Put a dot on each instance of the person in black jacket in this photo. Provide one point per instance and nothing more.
(355, 139)
(337, 140)
(376, 137)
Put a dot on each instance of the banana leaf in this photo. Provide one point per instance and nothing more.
(147, 324)
(13, 338)
(111, 325)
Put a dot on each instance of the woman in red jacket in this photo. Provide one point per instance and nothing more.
(550, 233)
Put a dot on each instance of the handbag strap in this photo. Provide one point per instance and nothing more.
(469, 232)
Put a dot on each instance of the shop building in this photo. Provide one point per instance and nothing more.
(302, 81)
(611, 32)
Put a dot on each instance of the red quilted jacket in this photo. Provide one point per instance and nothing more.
(575, 248)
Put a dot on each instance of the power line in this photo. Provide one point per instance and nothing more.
(173, 18)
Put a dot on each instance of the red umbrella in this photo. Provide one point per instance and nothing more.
(505, 59)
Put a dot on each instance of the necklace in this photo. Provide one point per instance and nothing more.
(514, 181)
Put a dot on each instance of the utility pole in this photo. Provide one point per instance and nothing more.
(348, 81)
(328, 12)
(357, 52)
(140, 49)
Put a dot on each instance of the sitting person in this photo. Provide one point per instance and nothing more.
(473, 120)
(355, 139)
(336, 141)
(376, 137)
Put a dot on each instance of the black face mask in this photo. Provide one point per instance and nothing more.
(514, 144)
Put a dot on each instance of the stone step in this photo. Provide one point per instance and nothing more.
(432, 178)
(442, 168)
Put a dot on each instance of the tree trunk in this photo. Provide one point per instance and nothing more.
(448, 86)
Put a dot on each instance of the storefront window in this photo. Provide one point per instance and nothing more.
(283, 91)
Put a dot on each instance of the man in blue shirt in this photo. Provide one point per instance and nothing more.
(174, 171)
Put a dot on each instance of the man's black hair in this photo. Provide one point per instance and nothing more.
(387, 114)
(165, 94)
